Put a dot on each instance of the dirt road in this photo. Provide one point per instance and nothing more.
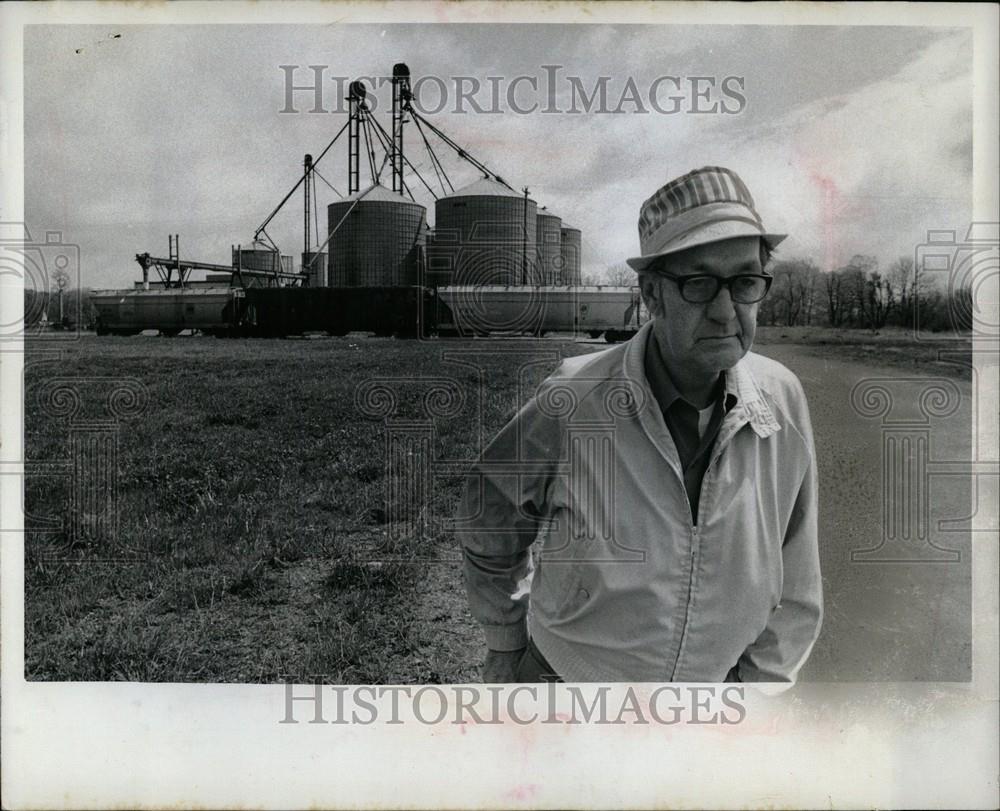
(901, 612)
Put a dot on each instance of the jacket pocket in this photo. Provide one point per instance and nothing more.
(558, 575)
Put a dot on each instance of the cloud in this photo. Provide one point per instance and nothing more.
(871, 171)
(853, 140)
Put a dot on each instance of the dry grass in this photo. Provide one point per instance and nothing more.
(253, 530)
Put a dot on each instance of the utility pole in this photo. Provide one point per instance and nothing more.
(524, 239)
(307, 164)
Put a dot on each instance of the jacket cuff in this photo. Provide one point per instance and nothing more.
(507, 637)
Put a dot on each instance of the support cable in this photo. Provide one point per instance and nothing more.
(461, 152)
(435, 160)
(366, 126)
(315, 213)
(272, 215)
(386, 143)
(328, 183)
(413, 168)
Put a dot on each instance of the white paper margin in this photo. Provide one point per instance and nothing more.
(132, 745)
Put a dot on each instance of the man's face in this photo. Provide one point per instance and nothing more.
(705, 339)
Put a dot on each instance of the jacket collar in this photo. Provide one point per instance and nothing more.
(740, 383)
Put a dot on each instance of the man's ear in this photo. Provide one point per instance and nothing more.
(649, 288)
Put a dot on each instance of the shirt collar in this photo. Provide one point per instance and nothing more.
(741, 386)
(741, 382)
(660, 382)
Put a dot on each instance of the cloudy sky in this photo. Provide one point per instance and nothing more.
(853, 140)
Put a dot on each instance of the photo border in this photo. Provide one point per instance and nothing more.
(96, 745)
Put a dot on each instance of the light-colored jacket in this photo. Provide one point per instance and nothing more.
(626, 587)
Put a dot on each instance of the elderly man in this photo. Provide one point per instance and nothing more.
(669, 482)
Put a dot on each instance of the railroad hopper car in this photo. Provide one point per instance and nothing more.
(274, 312)
(129, 312)
(404, 311)
(612, 312)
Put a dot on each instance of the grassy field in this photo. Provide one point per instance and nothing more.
(252, 503)
(258, 538)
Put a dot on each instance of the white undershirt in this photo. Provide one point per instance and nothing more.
(704, 417)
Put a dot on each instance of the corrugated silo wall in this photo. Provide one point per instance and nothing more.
(549, 235)
(314, 264)
(570, 250)
(484, 240)
(379, 244)
(256, 259)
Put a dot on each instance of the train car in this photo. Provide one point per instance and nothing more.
(615, 313)
(406, 311)
(129, 312)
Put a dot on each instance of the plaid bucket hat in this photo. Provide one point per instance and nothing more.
(706, 205)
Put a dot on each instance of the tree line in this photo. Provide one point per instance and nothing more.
(858, 295)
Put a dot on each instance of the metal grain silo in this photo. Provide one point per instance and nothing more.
(377, 239)
(570, 248)
(257, 258)
(314, 266)
(484, 233)
(549, 237)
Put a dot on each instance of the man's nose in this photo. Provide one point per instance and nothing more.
(721, 308)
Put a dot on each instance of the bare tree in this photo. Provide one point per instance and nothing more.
(880, 300)
(767, 313)
(620, 275)
(901, 279)
(857, 299)
(837, 297)
(793, 291)
(870, 297)
(783, 289)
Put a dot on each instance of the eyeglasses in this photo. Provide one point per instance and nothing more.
(747, 288)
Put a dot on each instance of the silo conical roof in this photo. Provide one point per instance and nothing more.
(378, 193)
(484, 187)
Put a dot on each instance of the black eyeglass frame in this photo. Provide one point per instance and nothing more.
(720, 282)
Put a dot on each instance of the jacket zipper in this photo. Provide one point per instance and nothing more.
(695, 543)
(687, 601)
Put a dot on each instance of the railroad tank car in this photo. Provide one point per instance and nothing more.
(129, 312)
(549, 238)
(484, 234)
(376, 240)
(614, 312)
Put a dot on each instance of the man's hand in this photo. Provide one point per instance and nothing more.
(500, 666)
